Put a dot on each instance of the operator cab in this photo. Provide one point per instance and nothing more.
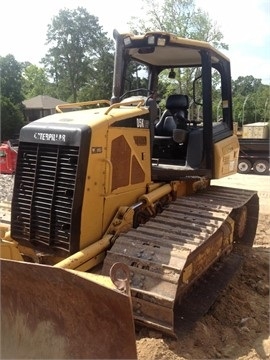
(185, 81)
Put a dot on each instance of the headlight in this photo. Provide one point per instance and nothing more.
(127, 41)
(161, 41)
(151, 40)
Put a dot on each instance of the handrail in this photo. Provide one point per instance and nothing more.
(139, 103)
(108, 179)
(83, 103)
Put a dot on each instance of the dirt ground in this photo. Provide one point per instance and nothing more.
(237, 325)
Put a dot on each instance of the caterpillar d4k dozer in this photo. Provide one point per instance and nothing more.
(122, 183)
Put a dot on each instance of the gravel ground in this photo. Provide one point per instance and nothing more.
(6, 187)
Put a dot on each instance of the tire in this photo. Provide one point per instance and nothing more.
(261, 167)
(244, 166)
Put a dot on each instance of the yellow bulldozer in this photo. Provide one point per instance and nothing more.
(114, 221)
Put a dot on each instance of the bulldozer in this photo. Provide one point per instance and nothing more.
(114, 221)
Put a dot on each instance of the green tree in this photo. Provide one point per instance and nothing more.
(11, 118)
(263, 103)
(245, 85)
(35, 82)
(11, 96)
(251, 100)
(77, 46)
(180, 17)
(99, 86)
(11, 79)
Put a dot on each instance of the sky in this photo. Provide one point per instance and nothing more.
(244, 24)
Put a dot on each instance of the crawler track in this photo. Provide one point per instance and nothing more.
(169, 253)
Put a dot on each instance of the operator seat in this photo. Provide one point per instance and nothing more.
(175, 139)
(174, 117)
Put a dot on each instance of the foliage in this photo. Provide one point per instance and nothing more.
(11, 118)
(245, 85)
(35, 82)
(100, 85)
(180, 17)
(11, 79)
(11, 96)
(251, 100)
(77, 50)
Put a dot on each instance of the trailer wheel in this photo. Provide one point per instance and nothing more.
(261, 167)
(244, 166)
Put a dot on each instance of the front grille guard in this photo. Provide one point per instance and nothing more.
(43, 197)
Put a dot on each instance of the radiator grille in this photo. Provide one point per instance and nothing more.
(43, 194)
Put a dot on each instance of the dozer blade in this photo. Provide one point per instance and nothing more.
(52, 313)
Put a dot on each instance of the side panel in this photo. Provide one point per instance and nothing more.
(128, 168)
(94, 189)
(226, 154)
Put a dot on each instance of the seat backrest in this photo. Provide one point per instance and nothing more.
(176, 106)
